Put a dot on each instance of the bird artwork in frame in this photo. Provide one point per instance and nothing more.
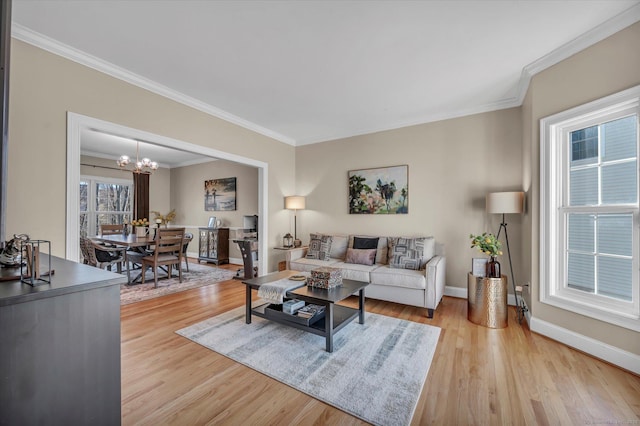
(383, 190)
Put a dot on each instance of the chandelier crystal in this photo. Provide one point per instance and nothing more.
(140, 166)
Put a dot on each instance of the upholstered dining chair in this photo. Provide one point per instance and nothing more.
(100, 256)
(167, 252)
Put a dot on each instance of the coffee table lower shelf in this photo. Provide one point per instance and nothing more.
(335, 316)
(342, 315)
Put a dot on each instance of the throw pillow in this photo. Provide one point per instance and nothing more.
(365, 243)
(407, 253)
(361, 256)
(319, 247)
(339, 245)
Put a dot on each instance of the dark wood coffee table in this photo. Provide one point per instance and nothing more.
(336, 316)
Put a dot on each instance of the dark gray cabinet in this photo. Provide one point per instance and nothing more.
(213, 245)
(60, 351)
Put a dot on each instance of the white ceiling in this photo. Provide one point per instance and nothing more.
(310, 71)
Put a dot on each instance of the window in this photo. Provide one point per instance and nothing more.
(104, 201)
(590, 211)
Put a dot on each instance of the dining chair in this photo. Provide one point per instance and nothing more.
(187, 239)
(111, 229)
(100, 256)
(167, 252)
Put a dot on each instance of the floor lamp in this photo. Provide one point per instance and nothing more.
(506, 203)
(295, 203)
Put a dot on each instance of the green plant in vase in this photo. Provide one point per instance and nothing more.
(489, 244)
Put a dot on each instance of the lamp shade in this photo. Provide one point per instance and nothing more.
(505, 202)
(294, 202)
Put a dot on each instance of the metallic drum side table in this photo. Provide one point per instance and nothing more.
(487, 301)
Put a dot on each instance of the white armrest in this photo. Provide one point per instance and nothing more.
(294, 254)
(435, 276)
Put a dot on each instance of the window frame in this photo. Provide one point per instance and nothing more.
(555, 151)
(91, 212)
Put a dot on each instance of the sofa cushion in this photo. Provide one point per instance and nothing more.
(339, 244)
(365, 242)
(319, 246)
(306, 265)
(361, 256)
(382, 251)
(354, 271)
(410, 253)
(408, 278)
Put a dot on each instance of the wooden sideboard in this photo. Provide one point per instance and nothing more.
(213, 245)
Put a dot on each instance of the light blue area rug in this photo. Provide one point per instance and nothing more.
(376, 371)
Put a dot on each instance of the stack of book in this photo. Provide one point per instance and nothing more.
(310, 310)
(292, 306)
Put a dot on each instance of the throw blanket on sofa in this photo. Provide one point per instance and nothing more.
(274, 292)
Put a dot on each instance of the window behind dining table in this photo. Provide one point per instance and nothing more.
(104, 201)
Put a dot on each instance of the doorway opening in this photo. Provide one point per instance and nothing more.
(77, 123)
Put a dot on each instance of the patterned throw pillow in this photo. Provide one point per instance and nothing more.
(319, 247)
(407, 253)
(361, 256)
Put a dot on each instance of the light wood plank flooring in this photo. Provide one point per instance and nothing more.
(478, 376)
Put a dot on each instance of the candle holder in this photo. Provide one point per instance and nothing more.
(30, 267)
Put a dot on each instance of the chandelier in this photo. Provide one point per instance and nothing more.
(140, 166)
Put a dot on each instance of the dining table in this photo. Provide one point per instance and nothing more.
(130, 241)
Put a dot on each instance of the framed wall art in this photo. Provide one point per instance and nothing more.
(383, 190)
(220, 194)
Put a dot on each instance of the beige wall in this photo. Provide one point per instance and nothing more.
(187, 197)
(603, 69)
(453, 164)
(45, 86)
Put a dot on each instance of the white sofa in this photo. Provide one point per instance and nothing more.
(423, 287)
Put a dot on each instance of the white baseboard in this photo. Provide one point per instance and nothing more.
(461, 293)
(616, 356)
(627, 360)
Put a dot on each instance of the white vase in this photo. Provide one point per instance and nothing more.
(141, 231)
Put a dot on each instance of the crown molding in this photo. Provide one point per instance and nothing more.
(599, 33)
(430, 118)
(591, 37)
(41, 41)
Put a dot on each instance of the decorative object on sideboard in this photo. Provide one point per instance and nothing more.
(140, 166)
(287, 241)
(11, 255)
(212, 222)
(489, 244)
(30, 269)
(220, 194)
(295, 203)
(383, 190)
(508, 203)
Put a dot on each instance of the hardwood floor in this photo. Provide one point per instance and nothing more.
(478, 375)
